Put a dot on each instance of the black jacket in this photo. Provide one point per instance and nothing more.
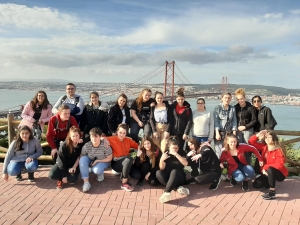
(115, 117)
(137, 162)
(152, 119)
(181, 123)
(245, 116)
(65, 159)
(209, 161)
(91, 118)
(265, 119)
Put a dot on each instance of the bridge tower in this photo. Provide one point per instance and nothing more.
(169, 80)
(224, 85)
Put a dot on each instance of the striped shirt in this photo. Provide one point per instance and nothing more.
(93, 153)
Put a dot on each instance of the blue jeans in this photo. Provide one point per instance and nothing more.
(14, 168)
(84, 163)
(243, 172)
(201, 139)
(135, 129)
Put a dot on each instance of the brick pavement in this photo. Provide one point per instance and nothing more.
(40, 203)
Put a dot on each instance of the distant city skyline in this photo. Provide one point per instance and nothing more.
(250, 42)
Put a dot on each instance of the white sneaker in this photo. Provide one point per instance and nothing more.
(166, 196)
(115, 172)
(223, 177)
(86, 187)
(183, 190)
(100, 177)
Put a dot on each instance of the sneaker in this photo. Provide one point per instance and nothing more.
(233, 182)
(245, 185)
(165, 197)
(139, 184)
(183, 190)
(115, 172)
(19, 177)
(127, 187)
(31, 177)
(270, 194)
(223, 177)
(100, 177)
(86, 187)
(215, 185)
(59, 185)
(90, 169)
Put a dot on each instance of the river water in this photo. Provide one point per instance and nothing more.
(287, 117)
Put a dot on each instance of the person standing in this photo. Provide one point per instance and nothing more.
(224, 121)
(182, 118)
(94, 115)
(265, 118)
(74, 101)
(203, 123)
(246, 119)
(36, 112)
(119, 113)
(140, 111)
(160, 119)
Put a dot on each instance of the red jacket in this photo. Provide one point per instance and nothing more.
(241, 149)
(253, 141)
(61, 133)
(275, 159)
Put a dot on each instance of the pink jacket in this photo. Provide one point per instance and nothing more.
(27, 115)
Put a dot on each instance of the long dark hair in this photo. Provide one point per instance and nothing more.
(195, 143)
(19, 141)
(69, 141)
(276, 142)
(154, 148)
(34, 101)
(123, 96)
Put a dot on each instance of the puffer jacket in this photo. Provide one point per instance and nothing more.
(181, 123)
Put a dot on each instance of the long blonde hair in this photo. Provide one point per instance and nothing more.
(139, 100)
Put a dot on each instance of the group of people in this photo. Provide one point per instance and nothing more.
(90, 138)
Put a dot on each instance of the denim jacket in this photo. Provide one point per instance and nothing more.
(220, 118)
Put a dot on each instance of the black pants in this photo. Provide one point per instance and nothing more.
(194, 166)
(57, 144)
(55, 174)
(125, 167)
(145, 168)
(135, 129)
(171, 180)
(208, 177)
(257, 167)
(270, 180)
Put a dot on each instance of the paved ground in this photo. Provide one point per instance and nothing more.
(40, 203)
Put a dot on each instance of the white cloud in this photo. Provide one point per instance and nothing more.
(273, 15)
(295, 11)
(24, 17)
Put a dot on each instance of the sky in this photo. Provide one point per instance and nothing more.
(249, 42)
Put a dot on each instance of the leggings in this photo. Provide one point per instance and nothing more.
(145, 168)
(273, 176)
(56, 174)
(171, 180)
(208, 177)
(124, 166)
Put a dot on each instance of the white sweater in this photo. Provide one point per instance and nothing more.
(203, 124)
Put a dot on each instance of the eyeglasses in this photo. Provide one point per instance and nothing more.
(256, 101)
(70, 89)
(200, 103)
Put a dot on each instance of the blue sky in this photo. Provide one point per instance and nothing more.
(250, 42)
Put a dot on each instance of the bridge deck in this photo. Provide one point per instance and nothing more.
(40, 203)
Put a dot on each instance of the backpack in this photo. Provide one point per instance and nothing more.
(57, 122)
(65, 97)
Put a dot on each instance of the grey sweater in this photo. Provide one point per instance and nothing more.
(32, 149)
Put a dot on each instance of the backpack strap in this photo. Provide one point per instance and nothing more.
(63, 99)
(76, 100)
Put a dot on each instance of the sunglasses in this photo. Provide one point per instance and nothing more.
(256, 101)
